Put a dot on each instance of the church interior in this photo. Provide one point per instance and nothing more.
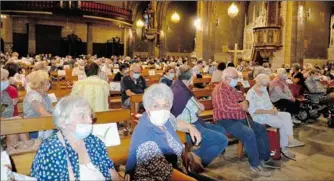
(153, 90)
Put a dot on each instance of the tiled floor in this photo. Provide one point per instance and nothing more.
(315, 161)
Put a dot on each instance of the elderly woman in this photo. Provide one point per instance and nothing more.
(281, 95)
(187, 108)
(297, 77)
(155, 148)
(263, 112)
(307, 69)
(37, 103)
(73, 153)
(9, 100)
(169, 74)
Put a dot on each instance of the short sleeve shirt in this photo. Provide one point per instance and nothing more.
(138, 86)
(28, 111)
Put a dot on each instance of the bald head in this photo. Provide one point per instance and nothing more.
(230, 72)
(135, 71)
(135, 67)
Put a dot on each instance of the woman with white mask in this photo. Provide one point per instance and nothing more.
(169, 75)
(156, 149)
(264, 112)
(73, 153)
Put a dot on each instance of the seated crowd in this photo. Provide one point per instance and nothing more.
(156, 152)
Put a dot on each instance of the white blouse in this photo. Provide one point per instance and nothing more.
(90, 172)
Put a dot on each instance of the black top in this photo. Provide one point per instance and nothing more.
(137, 87)
(118, 77)
(299, 76)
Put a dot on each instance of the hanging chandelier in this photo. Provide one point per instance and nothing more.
(67, 30)
(233, 10)
(139, 23)
(175, 17)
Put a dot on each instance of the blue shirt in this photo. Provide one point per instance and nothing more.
(50, 162)
(153, 152)
(166, 81)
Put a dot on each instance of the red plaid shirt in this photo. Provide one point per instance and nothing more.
(225, 101)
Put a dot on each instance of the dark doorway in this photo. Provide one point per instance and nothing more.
(72, 45)
(2, 45)
(48, 39)
(20, 43)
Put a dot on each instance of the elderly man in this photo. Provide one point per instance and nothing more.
(230, 110)
(93, 89)
(132, 84)
(186, 108)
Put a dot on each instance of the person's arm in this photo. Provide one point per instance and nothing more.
(280, 93)
(191, 129)
(39, 108)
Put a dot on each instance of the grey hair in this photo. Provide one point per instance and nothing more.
(156, 92)
(185, 73)
(262, 78)
(281, 71)
(62, 113)
(258, 70)
(296, 66)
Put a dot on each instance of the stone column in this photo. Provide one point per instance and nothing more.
(125, 40)
(199, 32)
(32, 38)
(89, 39)
(7, 33)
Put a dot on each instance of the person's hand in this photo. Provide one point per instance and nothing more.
(274, 111)
(195, 135)
(244, 105)
(201, 107)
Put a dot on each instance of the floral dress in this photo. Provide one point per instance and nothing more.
(50, 162)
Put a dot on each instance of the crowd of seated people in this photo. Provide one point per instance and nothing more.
(156, 152)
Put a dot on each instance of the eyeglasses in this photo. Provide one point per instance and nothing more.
(232, 77)
(157, 106)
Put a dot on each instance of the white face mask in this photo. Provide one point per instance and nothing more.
(233, 82)
(82, 131)
(159, 117)
(263, 89)
(171, 75)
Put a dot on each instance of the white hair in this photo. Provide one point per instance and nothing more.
(156, 92)
(281, 71)
(262, 79)
(62, 113)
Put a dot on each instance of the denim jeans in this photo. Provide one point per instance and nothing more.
(255, 139)
(213, 141)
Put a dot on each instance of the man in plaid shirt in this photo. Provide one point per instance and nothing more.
(230, 110)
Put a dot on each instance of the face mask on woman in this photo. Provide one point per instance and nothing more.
(4, 84)
(82, 131)
(263, 89)
(284, 77)
(159, 117)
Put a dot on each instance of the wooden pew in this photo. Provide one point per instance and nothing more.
(118, 154)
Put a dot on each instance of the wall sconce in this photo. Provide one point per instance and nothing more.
(197, 24)
(233, 10)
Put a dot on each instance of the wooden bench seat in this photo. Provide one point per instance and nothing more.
(22, 162)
